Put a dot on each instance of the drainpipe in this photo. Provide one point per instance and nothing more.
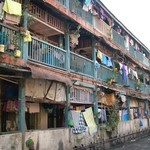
(21, 110)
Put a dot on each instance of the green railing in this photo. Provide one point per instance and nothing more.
(139, 56)
(87, 16)
(10, 38)
(132, 50)
(63, 2)
(46, 53)
(146, 61)
(104, 73)
(118, 38)
(80, 64)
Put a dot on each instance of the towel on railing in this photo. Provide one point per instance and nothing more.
(27, 38)
(12, 7)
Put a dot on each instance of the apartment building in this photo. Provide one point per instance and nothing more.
(71, 74)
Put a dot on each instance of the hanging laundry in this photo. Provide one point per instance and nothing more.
(103, 115)
(97, 65)
(79, 124)
(124, 72)
(12, 7)
(1, 10)
(104, 60)
(99, 55)
(125, 115)
(89, 118)
(87, 2)
(123, 98)
(108, 62)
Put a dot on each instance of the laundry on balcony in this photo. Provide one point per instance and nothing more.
(12, 7)
(89, 118)
(1, 10)
(78, 122)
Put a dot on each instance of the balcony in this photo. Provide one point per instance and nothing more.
(87, 16)
(82, 65)
(63, 2)
(46, 53)
(146, 61)
(100, 25)
(118, 39)
(10, 39)
(43, 23)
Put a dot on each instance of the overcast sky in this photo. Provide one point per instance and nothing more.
(134, 14)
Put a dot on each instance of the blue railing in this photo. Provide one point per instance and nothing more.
(77, 9)
(10, 38)
(46, 53)
(81, 64)
(118, 38)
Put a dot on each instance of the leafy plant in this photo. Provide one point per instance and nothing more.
(113, 119)
(29, 143)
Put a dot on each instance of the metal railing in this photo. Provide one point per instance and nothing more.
(9, 35)
(63, 2)
(87, 16)
(100, 25)
(81, 64)
(118, 38)
(46, 53)
(146, 61)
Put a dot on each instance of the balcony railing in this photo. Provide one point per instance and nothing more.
(63, 2)
(118, 39)
(87, 16)
(102, 27)
(146, 61)
(81, 64)
(9, 36)
(46, 53)
(104, 73)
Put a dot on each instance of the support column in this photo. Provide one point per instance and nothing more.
(146, 107)
(21, 109)
(25, 26)
(94, 58)
(67, 105)
(95, 107)
(128, 105)
(67, 48)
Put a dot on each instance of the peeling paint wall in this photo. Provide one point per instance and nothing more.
(55, 139)
(11, 141)
(131, 126)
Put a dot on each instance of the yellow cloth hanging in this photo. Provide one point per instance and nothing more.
(99, 54)
(27, 38)
(12, 7)
(89, 118)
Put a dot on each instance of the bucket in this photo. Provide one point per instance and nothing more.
(17, 53)
(2, 48)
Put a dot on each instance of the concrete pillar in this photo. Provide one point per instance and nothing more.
(94, 58)
(67, 105)
(67, 48)
(21, 110)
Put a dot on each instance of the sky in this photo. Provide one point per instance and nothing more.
(133, 14)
